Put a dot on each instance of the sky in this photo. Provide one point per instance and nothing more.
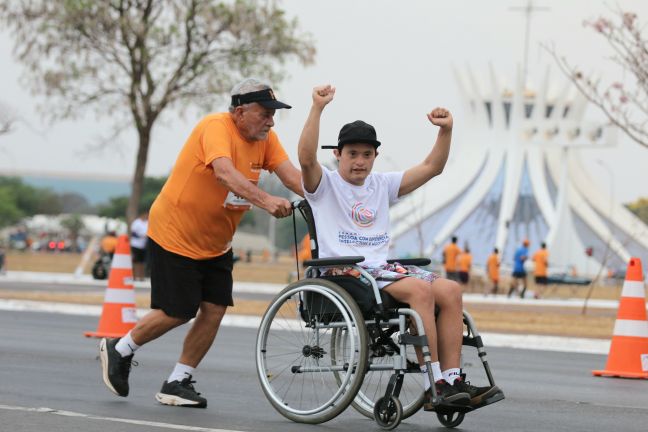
(391, 62)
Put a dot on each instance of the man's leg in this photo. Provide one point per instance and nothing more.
(117, 354)
(419, 295)
(202, 333)
(178, 389)
(524, 286)
(449, 325)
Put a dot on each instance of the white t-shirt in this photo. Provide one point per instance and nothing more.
(354, 220)
(138, 233)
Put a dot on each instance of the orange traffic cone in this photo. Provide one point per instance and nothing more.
(119, 313)
(628, 357)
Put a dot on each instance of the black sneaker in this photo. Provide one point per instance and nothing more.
(477, 394)
(115, 368)
(181, 393)
(449, 395)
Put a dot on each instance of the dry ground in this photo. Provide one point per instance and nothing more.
(594, 323)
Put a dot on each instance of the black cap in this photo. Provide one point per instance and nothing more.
(357, 132)
(266, 98)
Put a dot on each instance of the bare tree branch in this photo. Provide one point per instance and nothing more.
(625, 107)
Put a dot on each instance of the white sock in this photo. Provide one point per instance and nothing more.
(436, 371)
(180, 372)
(450, 375)
(125, 346)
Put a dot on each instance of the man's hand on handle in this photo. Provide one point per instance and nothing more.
(278, 207)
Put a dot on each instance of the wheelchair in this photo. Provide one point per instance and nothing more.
(325, 343)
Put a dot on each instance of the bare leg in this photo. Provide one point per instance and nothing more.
(449, 322)
(418, 294)
(153, 325)
(202, 333)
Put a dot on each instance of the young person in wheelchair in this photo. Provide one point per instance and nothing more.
(350, 207)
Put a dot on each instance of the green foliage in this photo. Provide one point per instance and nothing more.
(116, 207)
(640, 209)
(18, 200)
(9, 211)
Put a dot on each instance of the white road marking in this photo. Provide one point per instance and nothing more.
(45, 410)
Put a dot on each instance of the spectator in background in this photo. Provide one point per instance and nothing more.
(519, 273)
(541, 261)
(450, 253)
(464, 263)
(138, 241)
(492, 268)
(109, 244)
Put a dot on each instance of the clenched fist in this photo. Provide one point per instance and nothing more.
(440, 117)
(322, 95)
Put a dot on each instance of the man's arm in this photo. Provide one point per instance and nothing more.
(290, 177)
(434, 163)
(236, 182)
(307, 149)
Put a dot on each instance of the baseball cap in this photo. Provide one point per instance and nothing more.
(357, 132)
(266, 98)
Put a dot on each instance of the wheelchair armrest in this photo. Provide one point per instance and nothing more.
(411, 261)
(322, 262)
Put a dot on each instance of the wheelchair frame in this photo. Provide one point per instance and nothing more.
(337, 345)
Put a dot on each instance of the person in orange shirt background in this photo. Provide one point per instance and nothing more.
(450, 253)
(109, 244)
(464, 263)
(492, 268)
(191, 226)
(541, 261)
(304, 249)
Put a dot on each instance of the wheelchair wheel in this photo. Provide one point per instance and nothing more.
(303, 378)
(374, 385)
(388, 412)
(450, 419)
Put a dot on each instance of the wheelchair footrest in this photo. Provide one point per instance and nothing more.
(491, 400)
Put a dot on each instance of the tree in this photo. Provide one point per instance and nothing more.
(625, 106)
(133, 60)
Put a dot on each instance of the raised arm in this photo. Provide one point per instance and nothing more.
(308, 141)
(435, 161)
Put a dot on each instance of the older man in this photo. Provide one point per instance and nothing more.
(191, 225)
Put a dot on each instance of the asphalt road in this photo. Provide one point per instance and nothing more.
(50, 380)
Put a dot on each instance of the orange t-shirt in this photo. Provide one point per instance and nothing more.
(464, 261)
(189, 217)
(541, 260)
(109, 244)
(492, 265)
(450, 255)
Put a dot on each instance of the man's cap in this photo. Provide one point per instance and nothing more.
(266, 98)
(357, 132)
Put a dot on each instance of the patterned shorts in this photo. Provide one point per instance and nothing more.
(384, 275)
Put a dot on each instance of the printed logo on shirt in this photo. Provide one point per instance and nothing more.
(362, 216)
(255, 167)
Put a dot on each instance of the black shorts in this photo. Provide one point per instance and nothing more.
(452, 275)
(519, 274)
(464, 277)
(541, 280)
(138, 255)
(179, 284)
